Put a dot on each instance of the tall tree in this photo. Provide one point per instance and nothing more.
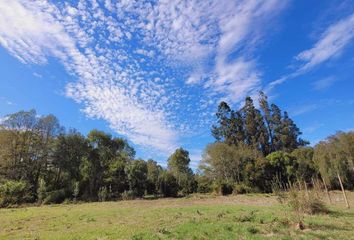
(104, 163)
(153, 172)
(27, 147)
(137, 176)
(267, 129)
(178, 165)
(69, 151)
(221, 131)
(232, 164)
(276, 124)
(306, 168)
(267, 113)
(255, 129)
(332, 160)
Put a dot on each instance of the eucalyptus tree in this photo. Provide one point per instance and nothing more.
(306, 168)
(333, 161)
(68, 153)
(233, 164)
(178, 165)
(268, 129)
(153, 172)
(137, 176)
(104, 162)
(346, 141)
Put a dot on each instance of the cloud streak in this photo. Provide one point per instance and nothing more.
(330, 44)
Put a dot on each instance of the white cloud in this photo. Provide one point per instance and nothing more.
(324, 83)
(312, 128)
(37, 75)
(33, 31)
(145, 52)
(331, 43)
(235, 80)
(195, 157)
(304, 109)
(240, 25)
(143, 97)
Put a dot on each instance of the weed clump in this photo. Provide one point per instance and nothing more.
(302, 203)
(306, 203)
(252, 230)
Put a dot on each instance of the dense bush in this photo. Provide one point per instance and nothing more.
(56, 196)
(14, 192)
(305, 202)
(204, 184)
(103, 194)
(41, 191)
(128, 195)
(168, 185)
(222, 188)
(242, 188)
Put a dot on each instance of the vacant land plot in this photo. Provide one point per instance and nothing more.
(198, 217)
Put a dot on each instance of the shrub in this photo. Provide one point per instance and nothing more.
(128, 195)
(14, 192)
(168, 185)
(76, 190)
(302, 203)
(57, 196)
(241, 188)
(222, 188)
(102, 194)
(203, 184)
(305, 203)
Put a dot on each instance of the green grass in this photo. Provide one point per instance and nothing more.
(206, 217)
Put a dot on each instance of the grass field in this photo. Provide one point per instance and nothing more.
(256, 216)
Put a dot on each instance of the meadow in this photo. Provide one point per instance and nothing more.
(250, 216)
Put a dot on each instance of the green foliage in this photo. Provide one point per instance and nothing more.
(168, 185)
(103, 194)
(334, 157)
(204, 184)
(41, 191)
(76, 190)
(222, 188)
(306, 168)
(14, 192)
(56, 196)
(234, 164)
(283, 166)
(153, 171)
(137, 177)
(267, 129)
(178, 165)
(56, 164)
(241, 188)
(128, 195)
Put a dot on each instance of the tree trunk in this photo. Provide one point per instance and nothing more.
(299, 183)
(344, 194)
(306, 190)
(329, 197)
(314, 187)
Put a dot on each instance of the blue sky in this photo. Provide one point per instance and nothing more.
(154, 71)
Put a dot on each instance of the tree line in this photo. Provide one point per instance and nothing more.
(255, 150)
(42, 162)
